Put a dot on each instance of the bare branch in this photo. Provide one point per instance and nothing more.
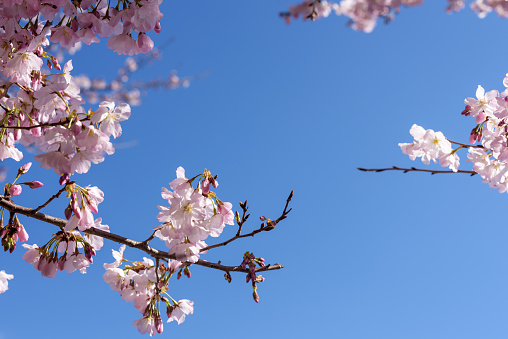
(6, 203)
(413, 169)
(53, 197)
(264, 227)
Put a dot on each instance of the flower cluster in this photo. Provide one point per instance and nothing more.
(193, 215)
(363, 14)
(430, 145)
(491, 112)
(146, 285)
(47, 260)
(490, 159)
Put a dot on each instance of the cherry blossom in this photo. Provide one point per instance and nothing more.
(3, 281)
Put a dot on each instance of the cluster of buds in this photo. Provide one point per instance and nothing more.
(251, 261)
(13, 189)
(12, 232)
(270, 224)
(476, 134)
(83, 201)
(48, 261)
(208, 182)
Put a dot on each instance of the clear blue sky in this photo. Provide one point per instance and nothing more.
(386, 255)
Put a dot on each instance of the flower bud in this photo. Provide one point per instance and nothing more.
(65, 178)
(255, 296)
(76, 127)
(206, 186)
(23, 169)
(15, 190)
(158, 325)
(481, 118)
(35, 184)
(157, 28)
(22, 234)
(68, 212)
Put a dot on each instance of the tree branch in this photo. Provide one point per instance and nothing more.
(413, 169)
(143, 246)
(264, 227)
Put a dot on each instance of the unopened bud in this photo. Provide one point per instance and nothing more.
(68, 212)
(65, 178)
(158, 325)
(255, 295)
(35, 184)
(157, 28)
(23, 169)
(262, 218)
(15, 190)
(55, 63)
(227, 276)
(76, 127)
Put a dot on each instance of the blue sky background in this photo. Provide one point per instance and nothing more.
(300, 107)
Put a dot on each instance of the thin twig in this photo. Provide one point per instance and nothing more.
(413, 169)
(264, 227)
(53, 197)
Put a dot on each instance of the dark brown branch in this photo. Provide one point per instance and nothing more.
(143, 246)
(413, 169)
(53, 197)
(58, 123)
(264, 227)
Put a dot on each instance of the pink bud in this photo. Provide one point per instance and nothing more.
(65, 178)
(74, 205)
(262, 218)
(15, 190)
(55, 63)
(158, 325)
(206, 186)
(481, 118)
(23, 169)
(255, 296)
(68, 212)
(157, 28)
(472, 139)
(215, 183)
(35, 184)
(22, 234)
(76, 127)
